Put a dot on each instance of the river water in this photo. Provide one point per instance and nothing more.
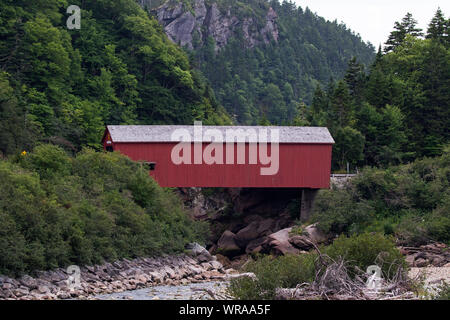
(182, 292)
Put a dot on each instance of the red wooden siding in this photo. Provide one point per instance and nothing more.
(301, 166)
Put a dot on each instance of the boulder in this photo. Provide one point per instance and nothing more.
(28, 282)
(216, 265)
(410, 260)
(21, 292)
(195, 270)
(437, 261)
(278, 243)
(199, 252)
(249, 233)
(255, 246)
(7, 286)
(421, 263)
(156, 277)
(62, 295)
(227, 244)
(301, 242)
(170, 273)
(315, 234)
(265, 227)
(43, 289)
(141, 280)
(207, 266)
(204, 256)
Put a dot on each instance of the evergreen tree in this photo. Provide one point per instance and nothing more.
(355, 79)
(349, 147)
(438, 29)
(408, 25)
(320, 101)
(341, 104)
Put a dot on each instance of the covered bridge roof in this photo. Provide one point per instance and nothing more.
(146, 134)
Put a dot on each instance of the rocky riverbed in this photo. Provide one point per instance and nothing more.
(195, 291)
(160, 273)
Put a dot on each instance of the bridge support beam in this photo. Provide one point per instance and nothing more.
(307, 202)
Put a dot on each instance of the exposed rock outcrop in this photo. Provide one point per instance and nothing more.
(249, 217)
(183, 24)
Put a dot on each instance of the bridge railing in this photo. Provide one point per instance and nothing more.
(350, 175)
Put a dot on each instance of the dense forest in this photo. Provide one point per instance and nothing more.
(269, 82)
(62, 86)
(397, 110)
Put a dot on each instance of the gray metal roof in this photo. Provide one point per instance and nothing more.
(318, 135)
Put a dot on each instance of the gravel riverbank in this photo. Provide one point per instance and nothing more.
(163, 273)
(433, 277)
(195, 291)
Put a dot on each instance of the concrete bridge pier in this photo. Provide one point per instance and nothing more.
(307, 202)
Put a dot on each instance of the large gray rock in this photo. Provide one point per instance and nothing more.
(20, 292)
(199, 252)
(278, 243)
(247, 234)
(227, 244)
(256, 230)
(315, 235)
(266, 226)
(7, 286)
(256, 245)
(301, 242)
(216, 265)
(28, 282)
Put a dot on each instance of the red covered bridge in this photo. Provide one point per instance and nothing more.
(231, 157)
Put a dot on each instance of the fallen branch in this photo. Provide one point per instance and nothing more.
(241, 275)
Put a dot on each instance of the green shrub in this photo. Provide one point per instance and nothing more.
(48, 161)
(411, 201)
(411, 231)
(437, 223)
(337, 212)
(272, 273)
(359, 252)
(56, 210)
(362, 251)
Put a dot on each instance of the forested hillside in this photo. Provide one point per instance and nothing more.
(63, 85)
(397, 111)
(263, 58)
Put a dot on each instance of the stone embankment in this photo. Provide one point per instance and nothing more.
(124, 275)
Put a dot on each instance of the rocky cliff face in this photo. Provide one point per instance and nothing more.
(182, 25)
